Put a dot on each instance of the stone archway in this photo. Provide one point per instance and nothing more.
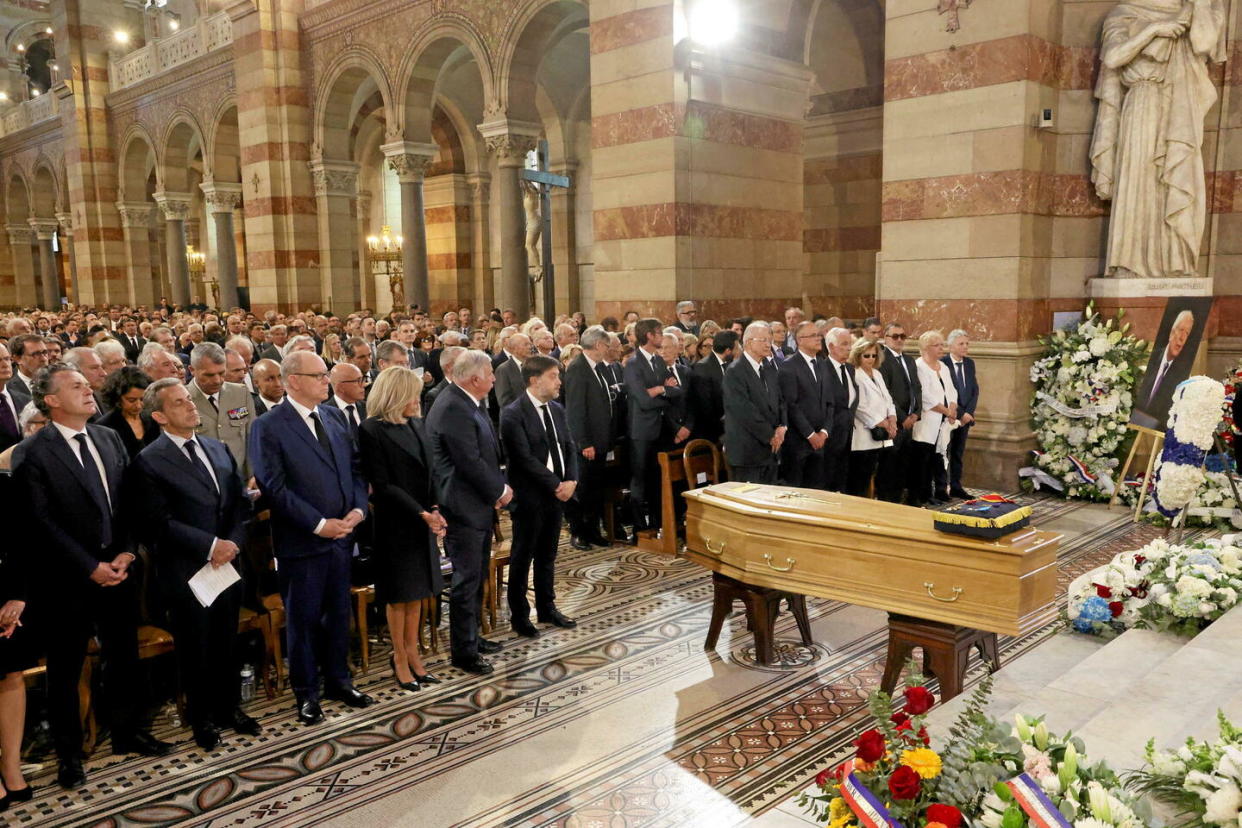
(181, 172)
(137, 211)
(222, 197)
(21, 235)
(44, 197)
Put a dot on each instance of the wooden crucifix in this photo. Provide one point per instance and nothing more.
(543, 182)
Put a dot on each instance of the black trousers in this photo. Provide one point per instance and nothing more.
(586, 511)
(803, 467)
(765, 473)
(206, 661)
(836, 468)
(536, 534)
(927, 460)
(112, 613)
(956, 450)
(900, 468)
(470, 550)
(862, 469)
(645, 483)
(315, 591)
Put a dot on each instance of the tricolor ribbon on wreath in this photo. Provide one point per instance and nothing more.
(1032, 800)
(1076, 413)
(864, 804)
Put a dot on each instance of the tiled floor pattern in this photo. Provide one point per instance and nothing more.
(624, 721)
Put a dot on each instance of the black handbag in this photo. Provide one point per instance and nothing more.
(879, 433)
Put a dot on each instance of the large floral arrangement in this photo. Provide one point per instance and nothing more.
(1176, 587)
(987, 774)
(1203, 780)
(1087, 796)
(1193, 418)
(1083, 386)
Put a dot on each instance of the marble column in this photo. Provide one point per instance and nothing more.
(409, 161)
(176, 208)
(370, 294)
(66, 233)
(509, 142)
(136, 227)
(484, 286)
(336, 187)
(26, 284)
(45, 231)
(223, 198)
(565, 238)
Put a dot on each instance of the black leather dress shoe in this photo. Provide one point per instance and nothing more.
(207, 736)
(579, 543)
(309, 712)
(599, 540)
(71, 776)
(525, 628)
(140, 742)
(350, 695)
(554, 617)
(486, 646)
(477, 665)
(241, 723)
(961, 493)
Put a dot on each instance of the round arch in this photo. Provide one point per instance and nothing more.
(183, 142)
(352, 78)
(539, 29)
(138, 160)
(17, 197)
(45, 192)
(223, 159)
(421, 72)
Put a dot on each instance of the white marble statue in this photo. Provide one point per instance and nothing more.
(1146, 154)
(534, 229)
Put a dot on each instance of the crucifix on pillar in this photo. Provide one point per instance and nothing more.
(541, 183)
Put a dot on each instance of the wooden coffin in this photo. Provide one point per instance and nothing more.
(874, 554)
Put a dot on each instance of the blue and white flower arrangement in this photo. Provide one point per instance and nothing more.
(1193, 418)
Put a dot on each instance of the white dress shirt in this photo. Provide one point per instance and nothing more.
(202, 459)
(849, 386)
(69, 434)
(556, 443)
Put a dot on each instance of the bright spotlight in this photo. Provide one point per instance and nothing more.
(121, 37)
(713, 22)
(48, 30)
(174, 25)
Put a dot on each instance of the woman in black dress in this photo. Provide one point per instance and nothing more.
(122, 393)
(396, 461)
(17, 652)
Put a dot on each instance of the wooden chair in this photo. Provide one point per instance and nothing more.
(703, 463)
(363, 595)
(672, 470)
(152, 643)
(494, 586)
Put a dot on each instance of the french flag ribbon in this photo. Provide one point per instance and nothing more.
(1037, 806)
(991, 498)
(870, 813)
(1081, 468)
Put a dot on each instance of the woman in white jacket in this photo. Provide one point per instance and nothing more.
(939, 417)
(875, 416)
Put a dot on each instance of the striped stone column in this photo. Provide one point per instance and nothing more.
(565, 239)
(223, 199)
(136, 224)
(363, 206)
(409, 161)
(480, 249)
(66, 233)
(26, 285)
(336, 187)
(176, 209)
(509, 142)
(49, 279)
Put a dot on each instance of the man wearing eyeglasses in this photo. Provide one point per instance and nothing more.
(30, 355)
(306, 465)
(687, 317)
(349, 394)
(901, 377)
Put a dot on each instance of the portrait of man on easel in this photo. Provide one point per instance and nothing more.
(1172, 359)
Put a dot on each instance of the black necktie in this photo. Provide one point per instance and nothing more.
(353, 418)
(215, 405)
(845, 380)
(763, 375)
(961, 375)
(95, 483)
(814, 374)
(8, 423)
(553, 450)
(200, 464)
(320, 434)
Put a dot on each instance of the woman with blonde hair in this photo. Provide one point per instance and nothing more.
(331, 352)
(875, 420)
(709, 328)
(396, 461)
(930, 438)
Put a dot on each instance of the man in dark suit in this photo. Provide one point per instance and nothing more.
(962, 370)
(12, 401)
(707, 384)
(129, 339)
(509, 383)
(470, 487)
(71, 478)
(306, 465)
(29, 357)
(447, 357)
(805, 390)
(649, 389)
(190, 509)
(269, 387)
(1155, 393)
(679, 416)
(588, 404)
(754, 413)
(844, 393)
(278, 336)
(543, 469)
(899, 469)
(687, 317)
(349, 394)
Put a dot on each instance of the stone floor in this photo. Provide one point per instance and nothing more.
(623, 721)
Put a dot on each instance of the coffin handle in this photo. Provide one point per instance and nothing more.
(957, 593)
(767, 556)
(708, 543)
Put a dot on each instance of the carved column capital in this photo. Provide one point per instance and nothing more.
(44, 228)
(408, 159)
(221, 196)
(510, 141)
(176, 206)
(334, 178)
(364, 205)
(66, 224)
(135, 213)
(19, 233)
(480, 186)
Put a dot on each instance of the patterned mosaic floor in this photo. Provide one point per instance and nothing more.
(623, 721)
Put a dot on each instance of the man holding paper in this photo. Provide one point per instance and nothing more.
(189, 506)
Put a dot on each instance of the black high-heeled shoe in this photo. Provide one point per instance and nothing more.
(426, 678)
(24, 795)
(404, 685)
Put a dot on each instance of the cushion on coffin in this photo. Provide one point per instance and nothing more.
(991, 516)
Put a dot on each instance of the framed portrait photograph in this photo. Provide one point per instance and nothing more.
(1172, 356)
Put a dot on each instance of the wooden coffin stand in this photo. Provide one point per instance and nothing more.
(945, 593)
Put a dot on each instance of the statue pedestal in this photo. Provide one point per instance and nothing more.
(1112, 288)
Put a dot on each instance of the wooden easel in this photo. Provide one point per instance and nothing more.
(1157, 443)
